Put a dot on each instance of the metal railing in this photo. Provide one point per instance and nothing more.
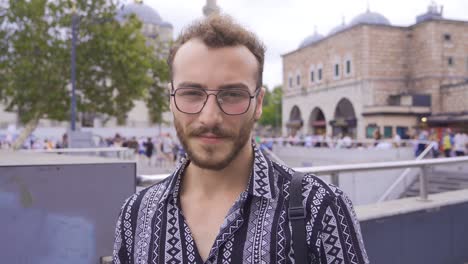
(333, 142)
(336, 170)
(403, 176)
(123, 153)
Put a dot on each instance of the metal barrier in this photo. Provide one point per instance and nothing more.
(405, 173)
(333, 142)
(123, 153)
(336, 170)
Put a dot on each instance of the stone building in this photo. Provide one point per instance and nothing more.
(159, 33)
(369, 74)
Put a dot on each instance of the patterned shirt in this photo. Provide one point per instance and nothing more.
(151, 227)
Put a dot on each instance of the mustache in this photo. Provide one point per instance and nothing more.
(216, 130)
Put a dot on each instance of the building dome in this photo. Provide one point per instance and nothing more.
(311, 39)
(143, 12)
(370, 18)
(337, 29)
(166, 25)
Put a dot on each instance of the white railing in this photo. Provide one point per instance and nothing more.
(333, 142)
(123, 153)
(336, 170)
(404, 175)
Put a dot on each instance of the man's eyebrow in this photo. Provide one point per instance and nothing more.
(224, 86)
(191, 85)
(234, 85)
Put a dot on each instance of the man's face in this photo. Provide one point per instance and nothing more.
(212, 138)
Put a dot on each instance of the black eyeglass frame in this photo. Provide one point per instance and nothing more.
(217, 101)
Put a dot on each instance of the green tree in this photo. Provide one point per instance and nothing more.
(272, 104)
(3, 45)
(34, 83)
(115, 67)
(157, 95)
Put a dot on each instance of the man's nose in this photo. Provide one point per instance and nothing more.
(211, 114)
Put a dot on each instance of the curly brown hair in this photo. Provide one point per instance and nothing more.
(219, 31)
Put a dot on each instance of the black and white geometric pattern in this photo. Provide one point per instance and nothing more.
(151, 227)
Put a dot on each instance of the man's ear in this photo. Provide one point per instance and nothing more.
(259, 103)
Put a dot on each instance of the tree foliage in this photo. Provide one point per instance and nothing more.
(114, 64)
(157, 95)
(271, 115)
(3, 46)
(34, 81)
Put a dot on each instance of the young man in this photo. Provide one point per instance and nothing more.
(226, 202)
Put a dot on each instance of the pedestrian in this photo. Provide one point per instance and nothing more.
(166, 148)
(377, 136)
(447, 144)
(228, 202)
(133, 144)
(421, 144)
(435, 144)
(459, 144)
(64, 143)
(149, 149)
(396, 140)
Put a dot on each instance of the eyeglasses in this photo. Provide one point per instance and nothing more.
(231, 101)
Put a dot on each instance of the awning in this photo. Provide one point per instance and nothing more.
(295, 124)
(319, 123)
(445, 119)
(341, 122)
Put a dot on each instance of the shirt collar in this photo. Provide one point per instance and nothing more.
(261, 183)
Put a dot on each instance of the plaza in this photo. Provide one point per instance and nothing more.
(61, 200)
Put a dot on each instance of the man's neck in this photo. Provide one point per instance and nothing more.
(230, 181)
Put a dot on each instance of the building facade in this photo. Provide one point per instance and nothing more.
(369, 75)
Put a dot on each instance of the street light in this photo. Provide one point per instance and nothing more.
(73, 68)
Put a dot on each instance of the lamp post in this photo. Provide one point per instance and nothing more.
(73, 69)
(276, 114)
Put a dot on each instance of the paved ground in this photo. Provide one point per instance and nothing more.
(157, 165)
(366, 186)
(299, 157)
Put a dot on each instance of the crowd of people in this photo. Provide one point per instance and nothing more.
(32, 142)
(450, 143)
(164, 150)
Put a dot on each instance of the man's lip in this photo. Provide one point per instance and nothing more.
(210, 136)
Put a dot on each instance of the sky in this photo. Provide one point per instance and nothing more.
(283, 24)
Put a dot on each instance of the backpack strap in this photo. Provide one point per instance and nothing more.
(297, 216)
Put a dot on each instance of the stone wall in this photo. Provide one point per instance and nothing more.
(325, 54)
(455, 98)
(429, 59)
(386, 60)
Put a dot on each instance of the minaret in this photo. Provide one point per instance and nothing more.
(210, 8)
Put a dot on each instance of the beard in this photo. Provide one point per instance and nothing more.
(211, 157)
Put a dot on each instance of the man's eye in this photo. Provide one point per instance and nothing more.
(234, 94)
(193, 93)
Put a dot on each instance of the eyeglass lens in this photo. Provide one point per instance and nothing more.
(231, 101)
